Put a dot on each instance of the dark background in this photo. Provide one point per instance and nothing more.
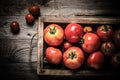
(15, 61)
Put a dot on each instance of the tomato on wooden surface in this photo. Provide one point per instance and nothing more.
(34, 9)
(15, 27)
(108, 48)
(96, 60)
(29, 18)
(53, 55)
(90, 42)
(53, 35)
(105, 32)
(73, 57)
(73, 32)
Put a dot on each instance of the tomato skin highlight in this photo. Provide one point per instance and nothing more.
(53, 35)
(91, 42)
(53, 55)
(73, 32)
(73, 58)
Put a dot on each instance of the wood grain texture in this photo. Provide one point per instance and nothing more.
(81, 7)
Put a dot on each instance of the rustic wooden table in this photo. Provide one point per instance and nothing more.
(15, 61)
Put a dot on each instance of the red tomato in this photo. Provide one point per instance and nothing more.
(87, 29)
(105, 32)
(34, 9)
(116, 37)
(29, 18)
(14, 25)
(91, 42)
(53, 35)
(53, 55)
(108, 48)
(95, 60)
(73, 32)
(73, 58)
(67, 45)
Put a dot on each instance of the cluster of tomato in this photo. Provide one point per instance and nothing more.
(34, 12)
(77, 41)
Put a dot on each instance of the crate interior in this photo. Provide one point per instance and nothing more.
(106, 66)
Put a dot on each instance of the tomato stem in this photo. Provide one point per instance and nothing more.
(72, 55)
(53, 30)
(105, 28)
(106, 48)
(81, 41)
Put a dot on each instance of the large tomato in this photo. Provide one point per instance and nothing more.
(105, 32)
(116, 37)
(73, 32)
(90, 42)
(53, 35)
(73, 58)
(53, 55)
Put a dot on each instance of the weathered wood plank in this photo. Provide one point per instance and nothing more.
(62, 7)
(18, 71)
(12, 50)
(40, 46)
(81, 7)
(82, 20)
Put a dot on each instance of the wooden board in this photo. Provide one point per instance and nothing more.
(61, 71)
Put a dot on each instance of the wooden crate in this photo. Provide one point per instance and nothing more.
(63, 21)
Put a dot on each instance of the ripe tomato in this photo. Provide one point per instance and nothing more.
(73, 58)
(53, 35)
(14, 25)
(67, 45)
(116, 37)
(29, 18)
(90, 42)
(34, 9)
(95, 60)
(73, 32)
(87, 29)
(53, 55)
(105, 32)
(108, 48)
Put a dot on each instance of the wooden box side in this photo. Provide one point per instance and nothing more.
(40, 46)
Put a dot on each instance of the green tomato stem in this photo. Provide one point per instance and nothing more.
(72, 55)
(52, 30)
(105, 28)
